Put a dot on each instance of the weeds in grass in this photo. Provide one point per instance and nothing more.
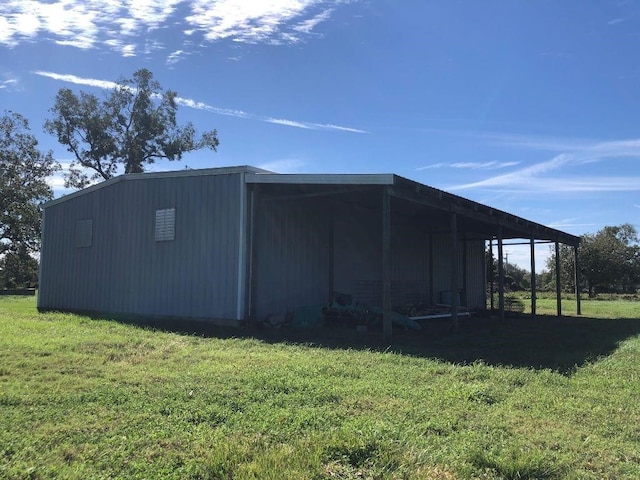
(549, 399)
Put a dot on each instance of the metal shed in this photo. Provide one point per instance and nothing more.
(232, 245)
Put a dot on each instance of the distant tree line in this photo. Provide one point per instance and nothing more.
(133, 126)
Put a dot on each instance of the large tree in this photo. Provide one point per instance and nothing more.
(133, 126)
(23, 185)
(609, 260)
(18, 269)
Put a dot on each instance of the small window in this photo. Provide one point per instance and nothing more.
(165, 224)
(84, 233)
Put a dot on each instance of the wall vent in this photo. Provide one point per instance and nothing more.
(165, 225)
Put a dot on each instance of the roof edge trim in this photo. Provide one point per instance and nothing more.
(149, 175)
(322, 179)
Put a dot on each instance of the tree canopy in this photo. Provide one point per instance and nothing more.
(133, 126)
(18, 269)
(609, 261)
(23, 185)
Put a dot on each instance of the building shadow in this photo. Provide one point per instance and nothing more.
(560, 344)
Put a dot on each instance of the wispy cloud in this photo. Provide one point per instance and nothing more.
(65, 77)
(307, 26)
(187, 102)
(286, 165)
(121, 25)
(175, 57)
(279, 21)
(538, 176)
(8, 83)
(570, 223)
(262, 118)
(471, 165)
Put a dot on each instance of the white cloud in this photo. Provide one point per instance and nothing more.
(307, 26)
(175, 57)
(65, 77)
(128, 50)
(288, 123)
(471, 165)
(245, 21)
(56, 182)
(92, 23)
(330, 126)
(564, 167)
(287, 165)
(569, 223)
(187, 102)
(9, 83)
(309, 125)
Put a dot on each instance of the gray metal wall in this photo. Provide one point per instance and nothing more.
(476, 280)
(358, 262)
(471, 277)
(126, 271)
(358, 258)
(357, 238)
(291, 258)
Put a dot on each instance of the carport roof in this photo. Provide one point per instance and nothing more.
(477, 219)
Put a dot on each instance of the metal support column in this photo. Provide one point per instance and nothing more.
(533, 277)
(332, 255)
(432, 287)
(465, 277)
(578, 280)
(455, 299)
(491, 284)
(252, 257)
(500, 273)
(386, 266)
(558, 285)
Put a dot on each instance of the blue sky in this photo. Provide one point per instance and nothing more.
(532, 107)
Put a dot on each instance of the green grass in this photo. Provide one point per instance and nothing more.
(524, 399)
(613, 306)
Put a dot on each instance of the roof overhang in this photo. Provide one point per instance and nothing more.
(477, 221)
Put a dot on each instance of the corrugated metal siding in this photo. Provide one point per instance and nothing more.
(291, 266)
(358, 258)
(358, 253)
(473, 291)
(410, 265)
(125, 270)
(475, 288)
(442, 265)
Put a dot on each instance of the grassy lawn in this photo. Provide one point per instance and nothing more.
(601, 307)
(546, 398)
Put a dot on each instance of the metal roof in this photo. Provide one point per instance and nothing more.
(477, 219)
(150, 175)
(322, 179)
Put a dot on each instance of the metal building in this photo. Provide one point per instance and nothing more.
(231, 245)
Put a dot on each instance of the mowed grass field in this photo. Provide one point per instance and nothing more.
(547, 398)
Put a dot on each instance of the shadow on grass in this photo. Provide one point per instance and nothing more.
(545, 342)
